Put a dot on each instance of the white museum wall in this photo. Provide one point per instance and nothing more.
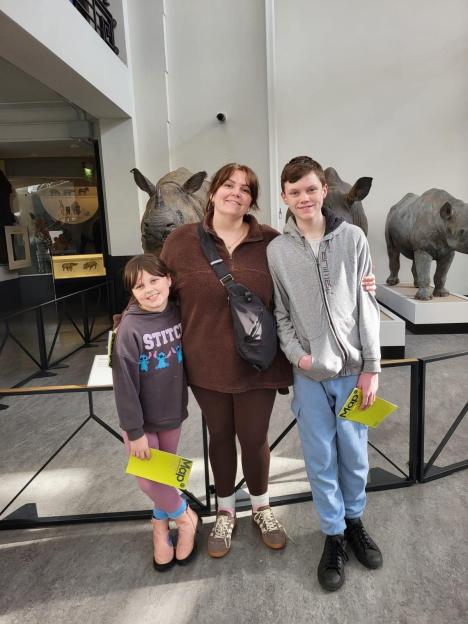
(141, 141)
(216, 63)
(147, 64)
(117, 151)
(377, 89)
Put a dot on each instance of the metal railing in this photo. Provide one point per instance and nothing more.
(379, 479)
(98, 15)
(36, 333)
(27, 517)
(428, 470)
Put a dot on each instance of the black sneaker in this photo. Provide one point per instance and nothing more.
(363, 546)
(331, 574)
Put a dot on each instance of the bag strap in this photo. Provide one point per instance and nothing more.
(212, 255)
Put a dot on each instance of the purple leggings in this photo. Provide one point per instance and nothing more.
(164, 497)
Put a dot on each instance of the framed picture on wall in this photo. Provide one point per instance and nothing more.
(17, 241)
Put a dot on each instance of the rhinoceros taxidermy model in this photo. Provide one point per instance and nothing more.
(345, 200)
(431, 226)
(179, 197)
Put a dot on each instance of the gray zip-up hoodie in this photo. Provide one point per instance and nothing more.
(147, 370)
(321, 308)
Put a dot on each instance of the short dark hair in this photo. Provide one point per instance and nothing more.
(225, 173)
(298, 167)
(143, 262)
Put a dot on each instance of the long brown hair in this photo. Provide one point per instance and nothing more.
(224, 174)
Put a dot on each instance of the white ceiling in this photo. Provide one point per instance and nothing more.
(16, 86)
(19, 91)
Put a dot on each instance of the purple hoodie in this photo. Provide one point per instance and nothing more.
(147, 368)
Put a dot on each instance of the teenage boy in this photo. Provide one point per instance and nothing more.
(329, 330)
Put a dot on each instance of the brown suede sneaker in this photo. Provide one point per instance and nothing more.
(273, 533)
(219, 540)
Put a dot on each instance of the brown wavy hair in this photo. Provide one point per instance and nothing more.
(224, 174)
(143, 262)
(298, 167)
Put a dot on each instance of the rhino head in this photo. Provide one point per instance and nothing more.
(454, 215)
(179, 197)
(345, 200)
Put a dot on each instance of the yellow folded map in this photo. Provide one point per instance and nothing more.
(372, 416)
(162, 467)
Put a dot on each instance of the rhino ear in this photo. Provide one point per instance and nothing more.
(143, 182)
(360, 190)
(194, 182)
(446, 211)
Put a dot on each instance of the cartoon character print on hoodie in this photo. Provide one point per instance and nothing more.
(149, 379)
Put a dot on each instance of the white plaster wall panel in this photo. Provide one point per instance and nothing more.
(52, 42)
(120, 191)
(217, 63)
(378, 89)
(147, 63)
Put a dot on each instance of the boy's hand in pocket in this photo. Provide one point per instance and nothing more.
(305, 362)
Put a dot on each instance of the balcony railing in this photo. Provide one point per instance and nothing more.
(98, 15)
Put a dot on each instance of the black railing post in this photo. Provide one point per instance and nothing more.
(414, 424)
(206, 465)
(421, 398)
(85, 311)
(41, 341)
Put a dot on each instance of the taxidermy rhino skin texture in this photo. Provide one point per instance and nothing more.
(179, 197)
(431, 226)
(345, 200)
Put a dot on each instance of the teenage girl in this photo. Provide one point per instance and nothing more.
(151, 396)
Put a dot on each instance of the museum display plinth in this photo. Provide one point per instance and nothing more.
(437, 315)
(392, 335)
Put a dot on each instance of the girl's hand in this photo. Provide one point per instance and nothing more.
(368, 283)
(368, 382)
(140, 448)
(305, 362)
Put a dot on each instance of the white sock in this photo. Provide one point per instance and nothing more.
(227, 503)
(259, 501)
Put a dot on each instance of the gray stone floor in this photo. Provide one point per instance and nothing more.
(102, 572)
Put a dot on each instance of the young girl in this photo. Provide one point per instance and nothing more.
(151, 396)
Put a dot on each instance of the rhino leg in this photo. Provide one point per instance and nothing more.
(393, 262)
(415, 275)
(440, 276)
(422, 264)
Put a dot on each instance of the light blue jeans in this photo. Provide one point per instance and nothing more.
(335, 450)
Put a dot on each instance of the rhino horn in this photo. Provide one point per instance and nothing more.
(143, 182)
(446, 211)
(159, 199)
(194, 182)
(360, 190)
(331, 175)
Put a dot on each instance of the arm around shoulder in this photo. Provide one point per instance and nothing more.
(369, 312)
